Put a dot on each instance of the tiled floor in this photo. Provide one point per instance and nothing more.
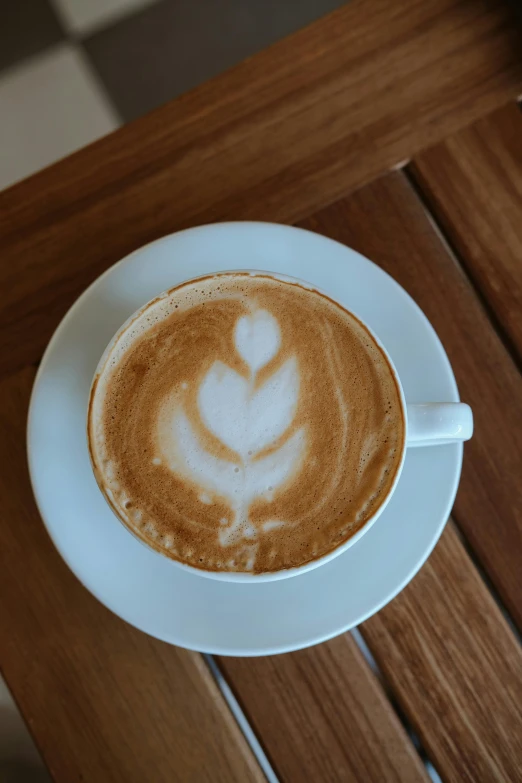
(50, 105)
(73, 70)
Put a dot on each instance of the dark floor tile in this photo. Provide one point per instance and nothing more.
(26, 28)
(163, 51)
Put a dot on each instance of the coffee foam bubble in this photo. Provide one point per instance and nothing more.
(245, 423)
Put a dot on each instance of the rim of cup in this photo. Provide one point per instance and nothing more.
(243, 576)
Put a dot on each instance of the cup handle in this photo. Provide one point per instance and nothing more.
(437, 423)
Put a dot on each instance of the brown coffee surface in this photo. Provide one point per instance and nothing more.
(245, 423)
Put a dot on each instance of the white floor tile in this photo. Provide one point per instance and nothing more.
(85, 16)
(49, 107)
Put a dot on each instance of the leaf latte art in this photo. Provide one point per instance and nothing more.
(245, 423)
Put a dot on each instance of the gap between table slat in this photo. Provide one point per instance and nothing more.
(372, 663)
(241, 719)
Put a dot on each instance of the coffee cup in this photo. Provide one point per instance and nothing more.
(250, 428)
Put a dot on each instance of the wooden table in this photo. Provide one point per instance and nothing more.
(393, 127)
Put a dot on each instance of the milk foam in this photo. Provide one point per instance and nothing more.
(244, 423)
(246, 417)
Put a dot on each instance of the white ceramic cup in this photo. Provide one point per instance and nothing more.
(426, 424)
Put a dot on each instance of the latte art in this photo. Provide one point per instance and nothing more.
(249, 420)
(243, 423)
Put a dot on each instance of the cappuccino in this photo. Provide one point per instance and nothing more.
(244, 423)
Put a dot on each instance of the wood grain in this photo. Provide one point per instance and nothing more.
(104, 701)
(455, 668)
(321, 715)
(288, 131)
(473, 182)
(386, 222)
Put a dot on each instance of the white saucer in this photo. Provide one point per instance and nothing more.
(153, 593)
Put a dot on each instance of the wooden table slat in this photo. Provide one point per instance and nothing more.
(105, 702)
(321, 715)
(386, 222)
(279, 136)
(473, 182)
(455, 668)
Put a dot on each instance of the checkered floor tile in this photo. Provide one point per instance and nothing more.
(73, 70)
